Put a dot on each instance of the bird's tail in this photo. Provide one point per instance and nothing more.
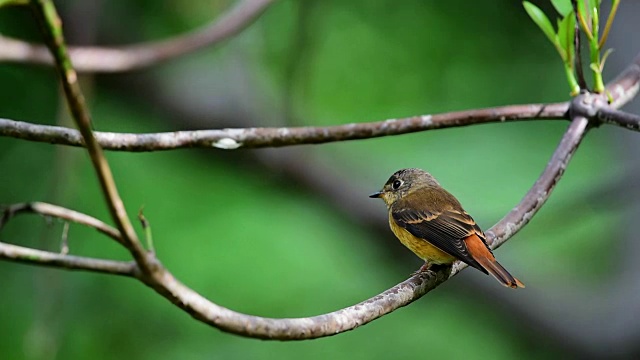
(483, 257)
(497, 271)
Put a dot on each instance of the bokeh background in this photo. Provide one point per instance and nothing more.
(290, 232)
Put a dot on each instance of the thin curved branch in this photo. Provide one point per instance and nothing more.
(276, 137)
(65, 261)
(520, 215)
(47, 16)
(59, 212)
(132, 57)
(297, 328)
(70, 262)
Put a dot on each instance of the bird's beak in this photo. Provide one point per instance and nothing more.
(376, 195)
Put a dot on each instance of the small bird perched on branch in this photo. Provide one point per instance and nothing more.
(430, 221)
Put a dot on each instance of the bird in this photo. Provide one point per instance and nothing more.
(430, 221)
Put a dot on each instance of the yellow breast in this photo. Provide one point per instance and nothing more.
(419, 246)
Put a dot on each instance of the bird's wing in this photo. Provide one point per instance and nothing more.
(446, 229)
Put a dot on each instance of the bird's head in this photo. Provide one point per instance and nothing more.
(404, 182)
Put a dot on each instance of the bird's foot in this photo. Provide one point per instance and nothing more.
(426, 267)
(423, 269)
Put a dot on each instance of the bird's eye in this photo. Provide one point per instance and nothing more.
(396, 184)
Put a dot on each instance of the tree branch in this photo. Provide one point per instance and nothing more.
(133, 57)
(620, 118)
(298, 328)
(69, 262)
(622, 89)
(625, 86)
(277, 137)
(542, 188)
(47, 16)
(60, 213)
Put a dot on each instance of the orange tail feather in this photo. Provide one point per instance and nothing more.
(497, 271)
(481, 254)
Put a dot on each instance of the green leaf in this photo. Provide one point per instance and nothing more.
(563, 7)
(566, 28)
(595, 20)
(13, 2)
(586, 4)
(541, 20)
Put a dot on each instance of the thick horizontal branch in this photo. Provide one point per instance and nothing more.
(132, 57)
(621, 90)
(70, 262)
(275, 137)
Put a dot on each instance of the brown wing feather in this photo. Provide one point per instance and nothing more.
(446, 230)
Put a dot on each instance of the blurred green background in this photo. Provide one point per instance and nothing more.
(290, 232)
